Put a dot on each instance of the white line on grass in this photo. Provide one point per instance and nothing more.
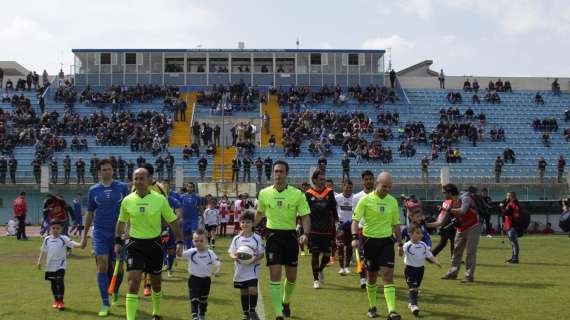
(260, 308)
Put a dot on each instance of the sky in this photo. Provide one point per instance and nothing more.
(464, 37)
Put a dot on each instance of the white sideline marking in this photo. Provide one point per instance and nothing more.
(260, 307)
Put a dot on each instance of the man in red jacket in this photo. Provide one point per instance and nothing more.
(20, 209)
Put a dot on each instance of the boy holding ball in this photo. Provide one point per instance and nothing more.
(247, 269)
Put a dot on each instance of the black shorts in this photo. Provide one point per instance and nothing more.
(379, 252)
(199, 288)
(321, 243)
(54, 275)
(414, 276)
(281, 248)
(145, 255)
(251, 283)
(211, 227)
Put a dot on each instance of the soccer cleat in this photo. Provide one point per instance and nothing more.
(415, 309)
(147, 292)
(170, 273)
(346, 271)
(253, 315)
(202, 317)
(156, 317)
(449, 276)
(245, 315)
(512, 261)
(316, 284)
(467, 280)
(362, 283)
(286, 310)
(321, 277)
(394, 316)
(60, 305)
(54, 304)
(104, 312)
(195, 316)
(372, 313)
(489, 236)
(279, 318)
(342, 271)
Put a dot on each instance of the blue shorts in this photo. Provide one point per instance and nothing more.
(104, 245)
(189, 228)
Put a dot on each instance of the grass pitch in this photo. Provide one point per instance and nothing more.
(535, 289)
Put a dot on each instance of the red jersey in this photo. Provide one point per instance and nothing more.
(512, 215)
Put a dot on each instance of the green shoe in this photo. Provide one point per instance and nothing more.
(104, 312)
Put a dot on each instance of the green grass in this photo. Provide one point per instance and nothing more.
(534, 289)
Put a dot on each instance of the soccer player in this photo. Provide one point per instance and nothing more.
(380, 215)
(200, 263)
(344, 236)
(168, 235)
(224, 216)
(281, 203)
(211, 221)
(103, 204)
(246, 275)
(144, 209)
(368, 184)
(55, 247)
(324, 219)
(415, 253)
(190, 201)
(77, 227)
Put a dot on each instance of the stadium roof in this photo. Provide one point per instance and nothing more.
(231, 50)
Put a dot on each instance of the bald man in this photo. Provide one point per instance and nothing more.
(380, 214)
(145, 210)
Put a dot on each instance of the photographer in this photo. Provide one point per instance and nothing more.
(510, 209)
(466, 221)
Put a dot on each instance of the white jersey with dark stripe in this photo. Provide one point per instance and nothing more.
(56, 249)
(200, 263)
(344, 207)
(244, 272)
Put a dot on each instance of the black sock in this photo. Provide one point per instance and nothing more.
(315, 264)
(324, 261)
(413, 297)
(244, 303)
(194, 304)
(203, 308)
(54, 289)
(213, 242)
(252, 302)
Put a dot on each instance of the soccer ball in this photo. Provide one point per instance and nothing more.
(245, 255)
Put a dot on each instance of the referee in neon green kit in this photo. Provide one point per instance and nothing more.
(145, 210)
(381, 216)
(281, 203)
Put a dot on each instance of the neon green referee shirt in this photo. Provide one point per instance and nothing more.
(281, 208)
(379, 215)
(145, 214)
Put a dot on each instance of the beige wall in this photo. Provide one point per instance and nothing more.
(456, 82)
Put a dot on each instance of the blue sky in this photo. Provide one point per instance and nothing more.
(464, 37)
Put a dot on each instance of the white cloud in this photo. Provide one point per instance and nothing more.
(420, 8)
(395, 42)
